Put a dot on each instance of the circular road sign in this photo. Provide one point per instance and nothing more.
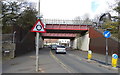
(38, 27)
(89, 52)
(107, 34)
(115, 56)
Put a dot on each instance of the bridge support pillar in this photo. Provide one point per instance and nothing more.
(76, 43)
(71, 43)
(81, 42)
(85, 40)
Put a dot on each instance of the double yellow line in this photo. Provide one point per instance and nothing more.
(59, 62)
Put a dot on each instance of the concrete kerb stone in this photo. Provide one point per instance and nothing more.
(100, 64)
(108, 67)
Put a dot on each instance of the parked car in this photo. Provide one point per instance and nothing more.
(60, 49)
(53, 47)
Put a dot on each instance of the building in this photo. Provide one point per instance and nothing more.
(65, 42)
(50, 41)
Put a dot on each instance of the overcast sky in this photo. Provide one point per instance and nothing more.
(69, 9)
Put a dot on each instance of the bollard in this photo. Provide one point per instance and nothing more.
(89, 55)
(114, 60)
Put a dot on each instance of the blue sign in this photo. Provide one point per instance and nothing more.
(107, 34)
(115, 56)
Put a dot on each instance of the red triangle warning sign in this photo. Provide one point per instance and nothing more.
(38, 27)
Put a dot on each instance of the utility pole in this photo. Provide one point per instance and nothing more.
(37, 42)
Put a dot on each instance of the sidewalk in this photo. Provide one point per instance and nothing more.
(0, 63)
(100, 58)
(26, 64)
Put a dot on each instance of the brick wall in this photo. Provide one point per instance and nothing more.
(97, 43)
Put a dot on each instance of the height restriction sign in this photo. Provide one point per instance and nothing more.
(38, 27)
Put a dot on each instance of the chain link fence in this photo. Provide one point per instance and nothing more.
(75, 22)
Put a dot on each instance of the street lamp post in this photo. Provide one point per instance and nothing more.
(14, 36)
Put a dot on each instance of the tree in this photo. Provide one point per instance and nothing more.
(17, 13)
(10, 11)
(0, 14)
(87, 19)
(28, 18)
(117, 9)
(77, 20)
(112, 22)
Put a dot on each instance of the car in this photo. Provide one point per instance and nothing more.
(49, 46)
(53, 47)
(60, 49)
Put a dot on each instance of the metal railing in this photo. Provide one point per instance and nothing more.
(75, 22)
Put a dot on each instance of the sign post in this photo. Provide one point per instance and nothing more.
(38, 28)
(37, 51)
(106, 34)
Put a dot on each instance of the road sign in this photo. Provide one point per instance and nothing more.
(38, 27)
(114, 60)
(107, 34)
(115, 56)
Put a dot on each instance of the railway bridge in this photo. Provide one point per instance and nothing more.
(75, 30)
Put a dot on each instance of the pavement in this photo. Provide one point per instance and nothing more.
(47, 63)
(26, 64)
(0, 50)
(99, 58)
(0, 64)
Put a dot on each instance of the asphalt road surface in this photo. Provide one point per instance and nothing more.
(49, 62)
(76, 64)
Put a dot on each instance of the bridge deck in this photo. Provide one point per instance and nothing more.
(59, 34)
(66, 27)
